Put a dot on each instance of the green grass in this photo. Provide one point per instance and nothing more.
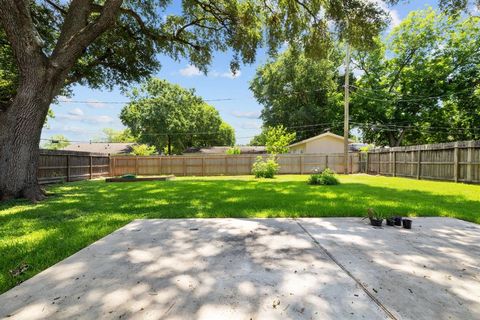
(80, 213)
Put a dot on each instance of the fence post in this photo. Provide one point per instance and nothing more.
(203, 166)
(412, 157)
(419, 164)
(394, 169)
(301, 164)
(68, 168)
(326, 161)
(351, 162)
(469, 160)
(226, 165)
(367, 162)
(91, 168)
(455, 162)
(184, 166)
(136, 165)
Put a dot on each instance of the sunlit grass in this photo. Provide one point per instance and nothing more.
(81, 213)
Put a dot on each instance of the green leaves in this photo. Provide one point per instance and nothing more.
(277, 139)
(143, 150)
(166, 115)
(56, 142)
(297, 91)
(419, 85)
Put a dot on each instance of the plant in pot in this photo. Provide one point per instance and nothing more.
(376, 218)
(407, 223)
(390, 221)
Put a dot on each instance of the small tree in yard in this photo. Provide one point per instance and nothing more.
(48, 46)
(277, 139)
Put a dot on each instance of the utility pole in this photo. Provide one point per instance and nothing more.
(346, 126)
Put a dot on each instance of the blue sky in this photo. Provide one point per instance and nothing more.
(83, 116)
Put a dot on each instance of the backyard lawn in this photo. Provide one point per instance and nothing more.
(34, 237)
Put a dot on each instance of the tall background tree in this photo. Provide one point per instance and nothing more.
(170, 117)
(301, 93)
(422, 83)
(55, 44)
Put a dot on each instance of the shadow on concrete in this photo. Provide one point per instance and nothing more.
(194, 269)
(429, 272)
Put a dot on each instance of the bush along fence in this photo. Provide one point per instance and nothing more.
(228, 164)
(65, 166)
(455, 161)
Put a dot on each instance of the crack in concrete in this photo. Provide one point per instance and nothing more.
(369, 294)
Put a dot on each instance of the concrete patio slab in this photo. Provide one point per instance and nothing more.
(429, 272)
(262, 269)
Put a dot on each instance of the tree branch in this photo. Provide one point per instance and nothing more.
(57, 7)
(76, 39)
(21, 33)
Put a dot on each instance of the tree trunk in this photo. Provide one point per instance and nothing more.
(20, 129)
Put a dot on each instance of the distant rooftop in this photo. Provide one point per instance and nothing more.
(223, 150)
(110, 148)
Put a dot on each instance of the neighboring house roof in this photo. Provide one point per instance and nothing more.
(223, 150)
(111, 148)
(357, 146)
(320, 136)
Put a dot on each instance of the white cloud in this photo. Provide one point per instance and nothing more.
(228, 74)
(231, 75)
(64, 99)
(396, 20)
(190, 71)
(76, 130)
(394, 15)
(251, 125)
(86, 119)
(248, 115)
(76, 112)
(95, 104)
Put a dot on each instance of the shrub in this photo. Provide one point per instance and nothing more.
(326, 178)
(143, 150)
(234, 150)
(267, 168)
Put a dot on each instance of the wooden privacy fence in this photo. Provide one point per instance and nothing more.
(456, 161)
(58, 166)
(227, 164)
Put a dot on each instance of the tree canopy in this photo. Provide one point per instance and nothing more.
(115, 136)
(143, 150)
(422, 84)
(168, 116)
(56, 142)
(301, 93)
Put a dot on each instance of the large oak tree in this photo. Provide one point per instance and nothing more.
(104, 43)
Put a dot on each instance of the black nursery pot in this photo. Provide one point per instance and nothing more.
(390, 222)
(398, 221)
(407, 223)
(376, 222)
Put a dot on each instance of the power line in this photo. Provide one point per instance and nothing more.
(310, 127)
(403, 99)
